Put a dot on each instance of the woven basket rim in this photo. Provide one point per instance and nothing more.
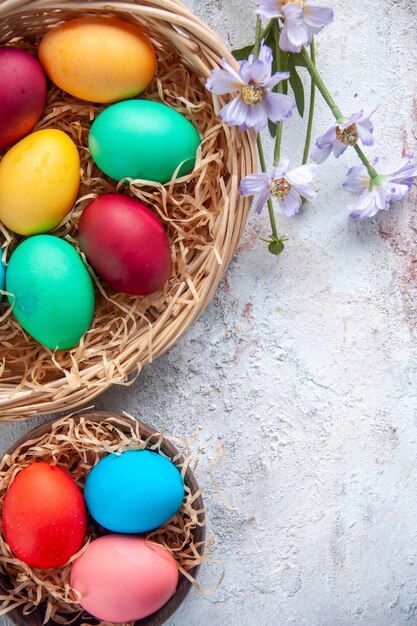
(198, 44)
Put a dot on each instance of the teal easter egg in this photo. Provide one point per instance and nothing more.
(2, 277)
(143, 139)
(133, 492)
(52, 291)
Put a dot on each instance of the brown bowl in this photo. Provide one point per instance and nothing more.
(36, 617)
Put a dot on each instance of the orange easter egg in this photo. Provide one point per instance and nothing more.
(101, 59)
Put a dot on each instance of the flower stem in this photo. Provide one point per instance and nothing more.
(333, 106)
(320, 84)
(270, 205)
(311, 110)
(280, 63)
(258, 36)
(371, 170)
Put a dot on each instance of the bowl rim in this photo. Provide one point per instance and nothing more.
(147, 431)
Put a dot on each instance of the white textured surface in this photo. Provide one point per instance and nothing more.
(305, 368)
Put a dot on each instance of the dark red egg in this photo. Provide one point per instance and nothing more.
(44, 519)
(23, 93)
(126, 244)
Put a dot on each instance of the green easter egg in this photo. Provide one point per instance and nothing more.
(53, 291)
(143, 139)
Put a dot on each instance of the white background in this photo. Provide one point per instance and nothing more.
(305, 368)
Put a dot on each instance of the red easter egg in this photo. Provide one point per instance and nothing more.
(44, 519)
(126, 244)
(22, 94)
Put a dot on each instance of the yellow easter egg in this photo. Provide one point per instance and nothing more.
(39, 181)
(100, 59)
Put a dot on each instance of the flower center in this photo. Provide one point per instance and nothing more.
(252, 94)
(301, 3)
(348, 136)
(279, 188)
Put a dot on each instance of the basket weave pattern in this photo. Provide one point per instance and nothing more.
(202, 212)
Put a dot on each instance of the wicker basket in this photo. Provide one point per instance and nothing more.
(130, 429)
(146, 327)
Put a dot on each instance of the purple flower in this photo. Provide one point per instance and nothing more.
(287, 187)
(339, 136)
(377, 193)
(301, 21)
(255, 102)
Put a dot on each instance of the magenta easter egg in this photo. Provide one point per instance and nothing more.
(22, 94)
(126, 244)
(120, 578)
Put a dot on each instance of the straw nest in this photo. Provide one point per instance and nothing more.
(202, 212)
(34, 596)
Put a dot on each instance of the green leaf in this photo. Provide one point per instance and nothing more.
(298, 89)
(296, 58)
(272, 128)
(242, 54)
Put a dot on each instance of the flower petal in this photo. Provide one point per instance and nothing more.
(367, 113)
(277, 106)
(229, 68)
(256, 72)
(265, 55)
(255, 118)
(317, 17)
(237, 113)
(279, 170)
(319, 155)
(351, 120)
(357, 179)
(290, 205)
(365, 130)
(254, 184)
(262, 200)
(269, 8)
(338, 148)
(297, 31)
(305, 192)
(302, 175)
(382, 195)
(222, 81)
(327, 137)
(276, 78)
(397, 192)
(406, 170)
(381, 165)
(365, 207)
(284, 42)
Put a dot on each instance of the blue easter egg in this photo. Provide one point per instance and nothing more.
(133, 492)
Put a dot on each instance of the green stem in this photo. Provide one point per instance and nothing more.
(280, 60)
(320, 84)
(333, 106)
(258, 36)
(371, 170)
(311, 109)
(270, 205)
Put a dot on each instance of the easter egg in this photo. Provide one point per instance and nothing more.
(2, 277)
(122, 579)
(44, 520)
(39, 180)
(133, 492)
(22, 94)
(126, 244)
(52, 291)
(143, 139)
(96, 58)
